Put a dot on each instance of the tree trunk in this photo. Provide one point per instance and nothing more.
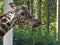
(30, 6)
(39, 10)
(58, 19)
(8, 38)
(47, 14)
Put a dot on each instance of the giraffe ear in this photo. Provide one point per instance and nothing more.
(12, 5)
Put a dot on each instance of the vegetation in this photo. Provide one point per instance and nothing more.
(42, 35)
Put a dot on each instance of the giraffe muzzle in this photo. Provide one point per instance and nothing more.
(34, 22)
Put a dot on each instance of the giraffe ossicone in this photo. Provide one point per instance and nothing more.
(18, 15)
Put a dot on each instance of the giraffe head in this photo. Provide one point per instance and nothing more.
(23, 16)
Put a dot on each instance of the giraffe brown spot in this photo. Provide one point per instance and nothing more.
(4, 27)
(20, 21)
(8, 17)
(26, 22)
(3, 20)
(23, 22)
(11, 12)
(8, 24)
(1, 33)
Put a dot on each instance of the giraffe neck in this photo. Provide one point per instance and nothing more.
(6, 22)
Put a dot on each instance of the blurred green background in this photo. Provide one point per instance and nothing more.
(24, 35)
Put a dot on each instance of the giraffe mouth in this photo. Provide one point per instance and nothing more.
(34, 22)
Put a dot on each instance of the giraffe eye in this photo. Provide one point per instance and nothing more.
(22, 14)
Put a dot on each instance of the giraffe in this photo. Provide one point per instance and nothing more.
(18, 15)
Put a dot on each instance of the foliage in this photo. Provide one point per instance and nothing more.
(25, 35)
(1, 6)
(0, 41)
(19, 2)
